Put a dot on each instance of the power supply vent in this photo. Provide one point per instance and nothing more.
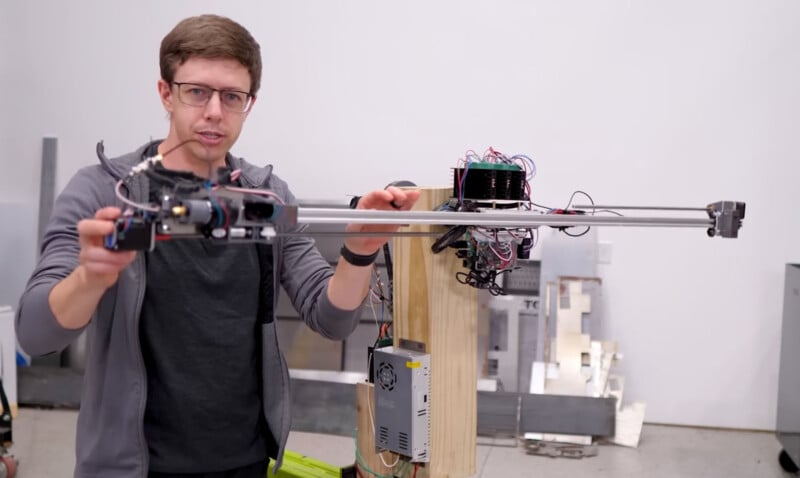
(402, 440)
(387, 378)
(383, 436)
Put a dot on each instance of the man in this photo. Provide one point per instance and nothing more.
(184, 376)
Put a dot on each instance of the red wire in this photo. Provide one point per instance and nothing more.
(416, 467)
(358, 472)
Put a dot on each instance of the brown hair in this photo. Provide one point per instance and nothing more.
(210, 36)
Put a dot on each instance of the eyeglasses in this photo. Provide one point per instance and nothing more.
(192, 94)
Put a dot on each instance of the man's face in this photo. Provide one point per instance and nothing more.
(214, 127)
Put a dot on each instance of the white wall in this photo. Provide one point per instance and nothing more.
(649, 102)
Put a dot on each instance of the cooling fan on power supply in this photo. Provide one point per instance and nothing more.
(387, 378)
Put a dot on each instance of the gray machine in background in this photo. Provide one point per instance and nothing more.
(402, 402)
(788, 417)
(514, 328)
(305, 349)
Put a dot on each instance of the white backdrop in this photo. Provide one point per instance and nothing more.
(648, 102)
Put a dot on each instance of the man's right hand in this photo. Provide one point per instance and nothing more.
(74, 299)
(100, 267)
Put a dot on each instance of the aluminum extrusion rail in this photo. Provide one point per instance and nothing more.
(495, 219)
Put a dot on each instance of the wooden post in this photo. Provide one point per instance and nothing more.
(432, 307)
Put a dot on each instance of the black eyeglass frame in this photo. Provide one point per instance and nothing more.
(249, 96)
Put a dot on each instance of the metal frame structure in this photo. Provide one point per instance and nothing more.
(722, 218)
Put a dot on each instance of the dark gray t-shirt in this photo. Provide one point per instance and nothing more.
(201, 345)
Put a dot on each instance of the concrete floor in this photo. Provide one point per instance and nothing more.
(45, 439)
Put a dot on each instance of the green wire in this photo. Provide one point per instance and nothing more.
(402, 471)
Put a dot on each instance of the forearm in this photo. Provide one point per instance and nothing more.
(74, 299)
(349, 285)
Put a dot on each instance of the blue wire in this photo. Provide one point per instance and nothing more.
(214, 203)
(529, 161)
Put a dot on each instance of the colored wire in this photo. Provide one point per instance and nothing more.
(360, 458)
(215, 203)
(372, 424)
(493, 156)
(526, 160)
(375, 316)
(377, 277)
(135, 205)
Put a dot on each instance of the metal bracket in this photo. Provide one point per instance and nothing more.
(727, 216)
(412, 345)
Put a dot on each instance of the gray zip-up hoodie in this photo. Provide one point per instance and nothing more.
(110, 437)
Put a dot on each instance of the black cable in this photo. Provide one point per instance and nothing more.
(182, 143)
(387, 256)
(576, 235)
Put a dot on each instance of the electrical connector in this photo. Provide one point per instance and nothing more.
(146, 164)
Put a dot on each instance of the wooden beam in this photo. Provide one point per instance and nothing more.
(432, 307)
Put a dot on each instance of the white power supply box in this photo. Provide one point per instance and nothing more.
(402, 402)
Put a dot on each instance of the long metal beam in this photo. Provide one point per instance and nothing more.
(496, 219)
(641, 208)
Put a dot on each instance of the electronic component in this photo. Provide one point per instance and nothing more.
(225, 216)
(493, 181)
(496, 184)
(132, 234)
(189, 206)
(727, 216)
(402, 402)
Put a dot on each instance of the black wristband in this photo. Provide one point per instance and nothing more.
(358, 260)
